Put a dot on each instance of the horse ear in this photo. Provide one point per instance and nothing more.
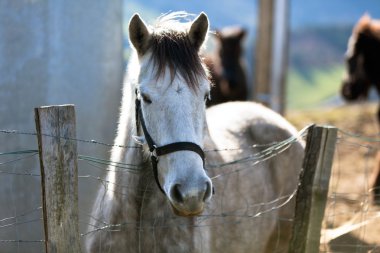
(242, 33)
(365, 18)
(139, 34)
(198, 30)
(363, 23)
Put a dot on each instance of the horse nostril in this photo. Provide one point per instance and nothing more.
(208, 191)
(176, 194)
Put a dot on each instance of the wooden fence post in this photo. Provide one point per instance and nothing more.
(59, 177)
(271, 53)
(263, 53)
(312, 189)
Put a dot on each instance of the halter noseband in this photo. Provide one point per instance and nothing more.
(155, 151)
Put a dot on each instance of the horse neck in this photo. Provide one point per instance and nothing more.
(370, 47)
(231, 62)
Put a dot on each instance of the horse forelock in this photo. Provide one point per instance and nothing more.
(170, 47)
(367, 26)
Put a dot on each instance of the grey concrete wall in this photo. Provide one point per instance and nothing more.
(54, 52)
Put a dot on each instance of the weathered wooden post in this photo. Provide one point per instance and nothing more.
(312, 189)
(59, 177)
(263, 53)
(271, 54)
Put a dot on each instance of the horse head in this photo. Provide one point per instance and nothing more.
(226, 66)
(362, 59)
(229, 43)
(171, 89)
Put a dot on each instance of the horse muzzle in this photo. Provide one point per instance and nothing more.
(187, 200)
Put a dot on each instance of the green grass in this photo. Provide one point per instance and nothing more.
(309, 90)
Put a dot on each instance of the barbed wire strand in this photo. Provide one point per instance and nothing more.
(6, 131)
(201, 217)
(22, 215)
(21, 241)
(17, 159)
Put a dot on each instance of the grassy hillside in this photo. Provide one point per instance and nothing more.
(310, 89)
(316, 65)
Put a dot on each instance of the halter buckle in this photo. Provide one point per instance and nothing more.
(153, 152)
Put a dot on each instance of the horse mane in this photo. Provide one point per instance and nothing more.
(170, 46)
(366, 25)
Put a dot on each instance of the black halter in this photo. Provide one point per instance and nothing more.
(155, 151)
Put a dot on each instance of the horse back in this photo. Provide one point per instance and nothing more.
(264, 181)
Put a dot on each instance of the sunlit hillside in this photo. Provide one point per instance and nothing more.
(316, 60)
(320, 87)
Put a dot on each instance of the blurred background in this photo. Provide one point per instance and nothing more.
(318, 36)
(75, 52)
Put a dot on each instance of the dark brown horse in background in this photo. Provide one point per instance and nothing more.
(363, 71)
(226, 67)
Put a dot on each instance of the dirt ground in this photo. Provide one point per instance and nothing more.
(352, 221)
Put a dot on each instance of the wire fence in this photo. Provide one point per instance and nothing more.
(351, 222)
(352, 219)
(20, 209)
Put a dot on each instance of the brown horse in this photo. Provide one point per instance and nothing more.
(363, 71)
(226, 67)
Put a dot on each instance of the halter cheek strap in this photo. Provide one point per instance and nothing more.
(163, 150)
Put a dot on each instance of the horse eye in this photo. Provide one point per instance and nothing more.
(146, 98)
